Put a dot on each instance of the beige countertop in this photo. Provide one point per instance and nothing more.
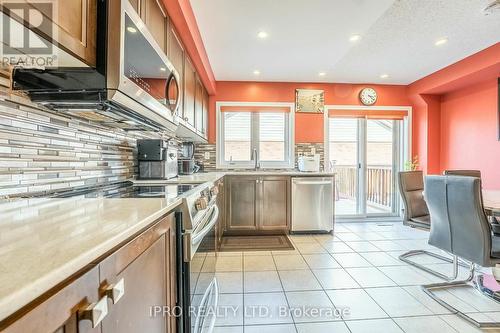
(203, 177)
(45, 241)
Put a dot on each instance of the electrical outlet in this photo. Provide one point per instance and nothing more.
(207, 155)
(313, 151)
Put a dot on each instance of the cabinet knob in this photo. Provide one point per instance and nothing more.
(95, 312)
(115, 291)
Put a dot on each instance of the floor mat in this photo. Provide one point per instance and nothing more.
(256, 243)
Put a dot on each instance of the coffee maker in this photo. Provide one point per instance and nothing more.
(157, 159)
(187, 164)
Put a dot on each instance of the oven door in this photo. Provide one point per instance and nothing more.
(202, 285)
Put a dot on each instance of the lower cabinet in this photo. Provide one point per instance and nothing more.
(221, 204)
(258, 204)
(117, 295)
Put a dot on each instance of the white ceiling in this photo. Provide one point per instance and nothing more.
(311, 36)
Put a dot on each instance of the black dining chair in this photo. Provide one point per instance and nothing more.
(416, 215)
(460, 227)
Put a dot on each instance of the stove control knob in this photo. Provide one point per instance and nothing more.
(201, 203)
(214, 190)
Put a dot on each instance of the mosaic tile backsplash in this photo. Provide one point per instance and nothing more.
(210, 164)
(43, 151)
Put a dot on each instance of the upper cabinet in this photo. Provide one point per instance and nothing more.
(75, 26)
(136, 4)
(204, 128)
(198, 105)
(155, 17)
(189, 92)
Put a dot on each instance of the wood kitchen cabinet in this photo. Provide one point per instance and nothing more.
(274, 201)
(145, 269)
(59, 312)
(258, 204)
(154, 16)
(136, 4)
(123, 285)
(221, 204)
(242, 203)
(204, 128)
(75, 26)
(198, 105)
(189, 91)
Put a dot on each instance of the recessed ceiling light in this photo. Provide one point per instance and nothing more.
(355, 37)
(132, 30)
(441, 41)
(262, 34)
(321, 73)
(163, 69)
(256, 72)
(384, 76)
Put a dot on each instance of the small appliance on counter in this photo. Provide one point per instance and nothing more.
(187, 164)
(157, 159)
(308, 163)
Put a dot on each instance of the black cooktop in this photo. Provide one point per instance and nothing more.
(129, 190)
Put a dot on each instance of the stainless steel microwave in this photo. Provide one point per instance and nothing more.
(133, 82)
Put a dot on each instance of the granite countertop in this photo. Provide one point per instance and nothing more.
(45, 241)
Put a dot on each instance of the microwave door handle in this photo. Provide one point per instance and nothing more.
(173, 79)
(199, 235)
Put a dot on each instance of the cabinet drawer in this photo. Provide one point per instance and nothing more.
(60, 311)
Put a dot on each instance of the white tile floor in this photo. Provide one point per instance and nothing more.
(353, 279)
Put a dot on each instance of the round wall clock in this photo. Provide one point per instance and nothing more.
(368, 96)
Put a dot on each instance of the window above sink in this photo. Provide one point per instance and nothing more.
(244, 128)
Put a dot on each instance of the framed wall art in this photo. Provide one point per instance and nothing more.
(309, 101)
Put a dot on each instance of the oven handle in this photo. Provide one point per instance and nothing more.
(214, 305)
(206, 229)
(212, 292)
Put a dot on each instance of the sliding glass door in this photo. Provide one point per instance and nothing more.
(366, 155)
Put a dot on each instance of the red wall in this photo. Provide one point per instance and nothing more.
(469, 131)
(426, 95)
(308, 127)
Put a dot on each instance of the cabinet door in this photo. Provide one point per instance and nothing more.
(144, 268)
(59, 313)
(155, 18)
(242, 205)
(75, 26)
(204, 129)
(137, 5)
(222, 212)
(189, 91)
(198, 105)
(176, 56)
(274, 203)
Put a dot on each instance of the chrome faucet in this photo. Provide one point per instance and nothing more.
(255, 158)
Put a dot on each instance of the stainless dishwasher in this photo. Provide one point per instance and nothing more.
(312, 204)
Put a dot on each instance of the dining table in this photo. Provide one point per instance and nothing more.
(491, 201)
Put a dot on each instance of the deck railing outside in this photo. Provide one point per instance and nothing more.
(378, 180)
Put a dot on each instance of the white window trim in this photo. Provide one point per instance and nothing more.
(407, 125)
(289, 145)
